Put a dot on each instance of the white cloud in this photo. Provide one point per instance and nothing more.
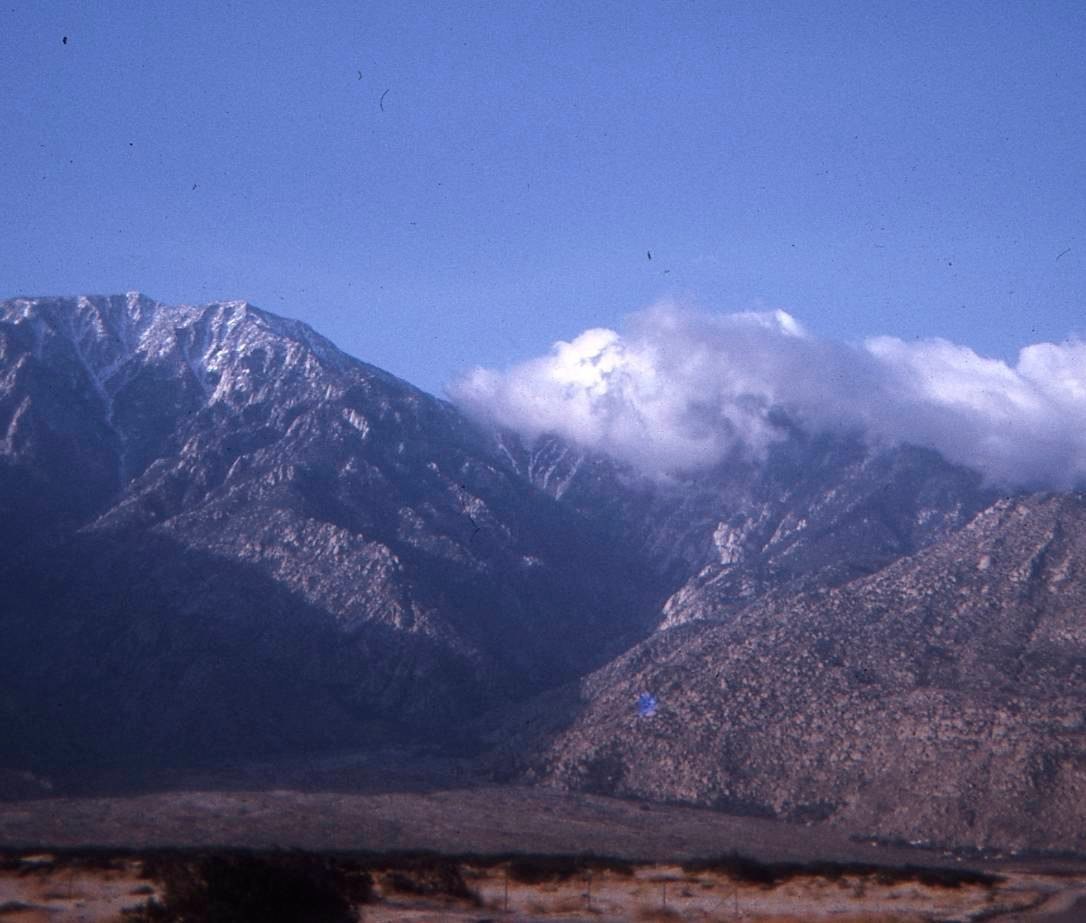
(680, 390)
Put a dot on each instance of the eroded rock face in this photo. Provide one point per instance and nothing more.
(940, 699)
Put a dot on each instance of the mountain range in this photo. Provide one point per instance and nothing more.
(228, 539)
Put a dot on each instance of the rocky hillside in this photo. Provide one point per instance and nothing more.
(229, 538)
(940, 699)
(234, 536)
(819, 510)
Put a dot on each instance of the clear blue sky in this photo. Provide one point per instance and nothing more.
(904, 168)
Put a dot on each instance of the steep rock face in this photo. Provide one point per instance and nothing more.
(824, 511)
(818, 510)
(51, 413)
(940, 699)
(385, 522)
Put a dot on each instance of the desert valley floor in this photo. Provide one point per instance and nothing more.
(433, 849)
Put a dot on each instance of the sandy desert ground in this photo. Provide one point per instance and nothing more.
(100, 888)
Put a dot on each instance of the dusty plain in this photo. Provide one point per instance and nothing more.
(435, 842)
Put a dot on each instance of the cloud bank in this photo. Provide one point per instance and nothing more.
(681, 390)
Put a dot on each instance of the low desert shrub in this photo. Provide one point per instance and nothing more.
(768, 874)
(252, 889)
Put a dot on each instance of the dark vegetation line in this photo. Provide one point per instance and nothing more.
(755, 871)
(527, 868)
(292, 885)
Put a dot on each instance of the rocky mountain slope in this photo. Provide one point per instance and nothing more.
(228, 538)
(819, 510)
(232, 532)
(941, 699)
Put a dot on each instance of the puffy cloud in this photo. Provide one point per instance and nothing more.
(680, 390)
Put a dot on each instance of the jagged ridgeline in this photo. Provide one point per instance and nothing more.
(230, 537)
(226, 538)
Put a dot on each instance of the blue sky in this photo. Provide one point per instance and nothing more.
(909, 169)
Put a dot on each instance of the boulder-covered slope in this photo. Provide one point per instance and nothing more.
(941, 699)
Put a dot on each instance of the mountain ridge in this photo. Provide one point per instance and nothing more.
(273, 547)
(374, 505)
